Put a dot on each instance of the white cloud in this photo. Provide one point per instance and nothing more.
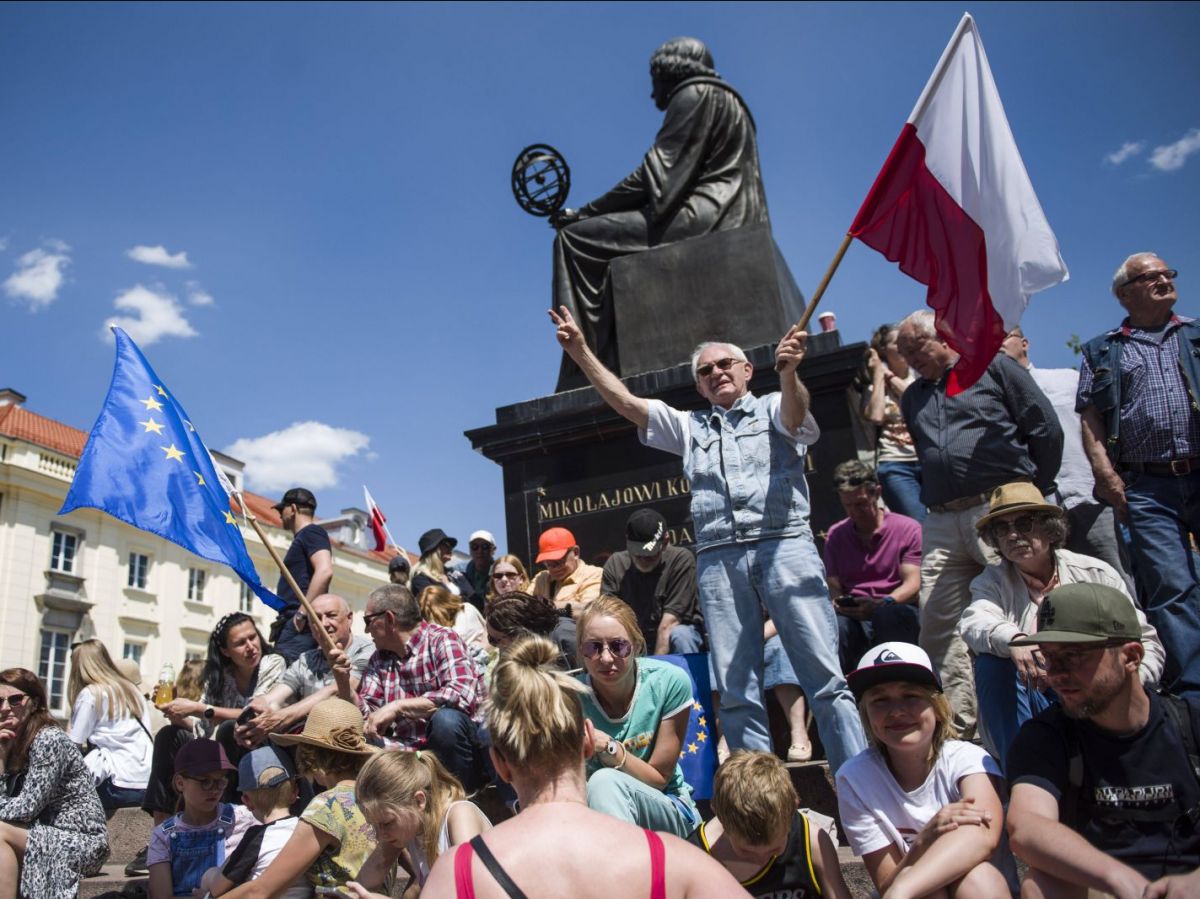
(159, 256)
(1128, 150)
(157, 315)
(197, 295)
(39, 275)
(307, 453)
(1170, 157)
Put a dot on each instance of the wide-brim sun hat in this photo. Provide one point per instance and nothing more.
(891, 662)
(332, 724)
(1019, 496)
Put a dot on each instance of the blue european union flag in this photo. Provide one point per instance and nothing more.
(698, 756)
(145, 464)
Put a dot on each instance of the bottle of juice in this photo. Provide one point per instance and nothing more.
(164, 690)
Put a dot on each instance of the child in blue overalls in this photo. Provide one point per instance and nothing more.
(186, 845)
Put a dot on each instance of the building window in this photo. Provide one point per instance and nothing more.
(139, 566)
(246, 599)
(62, 552)
(52, 665)
(196, 584)
(191, 654)
(133, 651)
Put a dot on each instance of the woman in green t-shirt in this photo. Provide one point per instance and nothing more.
(639, 708)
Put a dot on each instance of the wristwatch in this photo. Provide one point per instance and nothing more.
(209, 712)
(610, 749)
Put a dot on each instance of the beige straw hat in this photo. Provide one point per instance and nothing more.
(1019, 496)
(332, 724)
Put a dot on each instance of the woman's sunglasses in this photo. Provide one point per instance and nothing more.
(16, 701)
(620, 648)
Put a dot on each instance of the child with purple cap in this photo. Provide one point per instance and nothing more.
(187, 844)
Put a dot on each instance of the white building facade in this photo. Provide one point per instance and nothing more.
(66, 578)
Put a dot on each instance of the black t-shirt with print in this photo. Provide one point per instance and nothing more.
(308, 540)
(1135, 792)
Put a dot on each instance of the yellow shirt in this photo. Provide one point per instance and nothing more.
(578, 589)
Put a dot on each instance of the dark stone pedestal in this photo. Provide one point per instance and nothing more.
(570, 461)
(671, 298)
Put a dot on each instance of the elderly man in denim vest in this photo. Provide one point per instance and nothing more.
(1139, 392)
(744, 456)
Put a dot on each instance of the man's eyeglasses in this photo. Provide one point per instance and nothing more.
(367, 619)
(1068, 660)
(1022, 525)
(16, 701)
(619, 647)
(209, 783)
(479, 544)
(1150, 277)
(703, 371)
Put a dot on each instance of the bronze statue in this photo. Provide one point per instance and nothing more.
(701, 175)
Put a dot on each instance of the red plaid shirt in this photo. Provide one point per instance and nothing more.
(437, 666)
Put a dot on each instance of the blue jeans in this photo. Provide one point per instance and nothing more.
(1005, 703)
(685, 638)
(1162, 513)
(785, 577)
(113, 797)
(462, 746)
(894, 621)
(901, 483)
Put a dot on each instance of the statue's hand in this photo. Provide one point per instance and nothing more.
(569, 337)
(565, 217)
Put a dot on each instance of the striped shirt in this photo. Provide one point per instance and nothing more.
(1158, 422)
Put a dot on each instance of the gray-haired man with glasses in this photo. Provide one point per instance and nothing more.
(1139, 399)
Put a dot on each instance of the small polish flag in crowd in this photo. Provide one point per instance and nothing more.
(378, 519)
(955, 207)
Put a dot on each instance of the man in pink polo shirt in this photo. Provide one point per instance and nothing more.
(873, 566)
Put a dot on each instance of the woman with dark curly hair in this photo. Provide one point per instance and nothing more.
(52, 831)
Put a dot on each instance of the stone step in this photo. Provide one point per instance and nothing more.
(128, 831)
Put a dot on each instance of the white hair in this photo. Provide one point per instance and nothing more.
(922, 322)
(1121, 275)
(733, 349)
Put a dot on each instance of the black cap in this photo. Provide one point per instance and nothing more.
(400, 561)
(645, 533)
(431, 539)
(297, 496)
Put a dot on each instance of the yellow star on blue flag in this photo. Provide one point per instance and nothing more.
(698, 758)
(134, 470)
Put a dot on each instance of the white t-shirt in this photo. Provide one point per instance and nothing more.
(876, 812)
(258, 848)
(470, 624)
(123, 750)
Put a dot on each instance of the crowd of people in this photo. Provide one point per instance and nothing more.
(999, 645)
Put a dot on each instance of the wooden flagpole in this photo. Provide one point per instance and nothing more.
(820, 291)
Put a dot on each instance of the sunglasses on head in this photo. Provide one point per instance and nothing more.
(703, 371)
(619, 647)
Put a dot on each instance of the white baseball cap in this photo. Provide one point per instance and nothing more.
(890, 662)
(482, 535)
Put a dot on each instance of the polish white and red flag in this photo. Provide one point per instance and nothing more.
(954, 206)
(378, 521)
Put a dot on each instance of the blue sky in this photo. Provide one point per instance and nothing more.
(333, 276)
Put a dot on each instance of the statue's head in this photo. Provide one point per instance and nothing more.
(677, 59)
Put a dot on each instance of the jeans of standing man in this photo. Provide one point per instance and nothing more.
(685, 638)
(784, 576)
(901, 485)
(1163, 513)
(1005, 703)
(888, 623)
(462, 746)
(952, 555)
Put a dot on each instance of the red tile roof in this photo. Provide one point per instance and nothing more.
(21, 424)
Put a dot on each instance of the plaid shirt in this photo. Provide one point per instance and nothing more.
(1157, 420)
(437, 666)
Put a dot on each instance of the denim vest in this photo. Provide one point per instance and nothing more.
(1103, 354)
(747, 479)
